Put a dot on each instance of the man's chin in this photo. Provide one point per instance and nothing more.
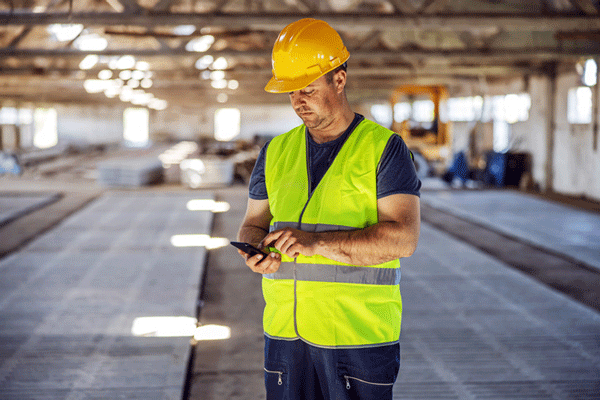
(309, 120)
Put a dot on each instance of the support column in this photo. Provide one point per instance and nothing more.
(595, 101)
(551, 69)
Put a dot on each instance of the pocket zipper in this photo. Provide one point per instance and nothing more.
(363, 381)
(279, 381)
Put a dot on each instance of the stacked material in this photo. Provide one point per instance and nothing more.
(207, 172)
(133, 172)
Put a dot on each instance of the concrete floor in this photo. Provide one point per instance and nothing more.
(488, 314)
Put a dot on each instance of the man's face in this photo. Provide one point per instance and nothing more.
(315, 103)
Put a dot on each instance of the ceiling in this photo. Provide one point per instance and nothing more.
(391, 42)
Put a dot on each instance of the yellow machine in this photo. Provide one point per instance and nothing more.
(432, 139)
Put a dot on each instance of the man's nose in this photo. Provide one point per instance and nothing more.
(297, 99)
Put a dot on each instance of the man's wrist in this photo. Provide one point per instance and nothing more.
(320, 243)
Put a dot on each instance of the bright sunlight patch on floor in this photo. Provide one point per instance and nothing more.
(198, 240)
(212, 332)
(163, 326)
(208, 205)
(178, 327)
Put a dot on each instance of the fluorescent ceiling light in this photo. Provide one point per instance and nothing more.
(233, 84)
(112, 92)
(105, 74)
(142, 65)
(137, 74)
(125, 75)
(133, 83)
(126, 62)
(220, 63)
(184, 30)
(95, 85)
(65, 32)
(91, 42)
(88, 62)
(222, 84)
(204, 62)
(146, 83)
(200, 44)
(217, 75)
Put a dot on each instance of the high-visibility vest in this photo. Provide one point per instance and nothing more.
(324, 302)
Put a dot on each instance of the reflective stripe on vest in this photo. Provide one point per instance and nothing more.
(337, 273)
(322, 301)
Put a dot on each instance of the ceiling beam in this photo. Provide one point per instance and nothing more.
(341, 21)
(163, 5)
(506, 53)
(191, 75)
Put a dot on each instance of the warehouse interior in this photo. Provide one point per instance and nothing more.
(128, 133)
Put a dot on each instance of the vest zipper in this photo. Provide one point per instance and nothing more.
(310, 193)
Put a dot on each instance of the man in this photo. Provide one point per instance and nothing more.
(335, 201)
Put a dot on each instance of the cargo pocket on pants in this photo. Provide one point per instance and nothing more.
(359, 385)
(276, 380)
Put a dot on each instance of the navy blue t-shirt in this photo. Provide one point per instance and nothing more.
(396, 172)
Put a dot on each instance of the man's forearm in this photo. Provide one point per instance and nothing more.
(251, 234)
(376, 244)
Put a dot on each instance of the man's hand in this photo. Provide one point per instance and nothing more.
(269, 265)
(292, 242)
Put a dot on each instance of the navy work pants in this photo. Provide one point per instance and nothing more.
(295, 370)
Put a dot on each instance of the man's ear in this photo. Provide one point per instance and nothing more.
(340, 80)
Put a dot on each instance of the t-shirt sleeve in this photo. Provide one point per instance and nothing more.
(396, 173)
(257, 189)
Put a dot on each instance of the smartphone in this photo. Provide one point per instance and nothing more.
(249, 249)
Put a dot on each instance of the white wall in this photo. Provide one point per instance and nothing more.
(531, 136)
(267, 120)
(576, 163)
(83, 125)
(176, 124)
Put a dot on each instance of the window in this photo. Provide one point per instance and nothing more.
(501, 133)
(227, 123)
(136, 126)
(589, 76)
(382, 114)
(402, 111)
(510, 108)
(423, 110)
(9, 115)
(465, 108)
(45, 128)
(579, 105)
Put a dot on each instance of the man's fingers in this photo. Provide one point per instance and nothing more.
(294, 250)
(255, 260)
(285, 241)
(269, 265)
(271, 237)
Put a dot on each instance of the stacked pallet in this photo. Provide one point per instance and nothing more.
(130, 172)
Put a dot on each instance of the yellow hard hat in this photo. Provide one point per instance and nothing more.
(304, 51)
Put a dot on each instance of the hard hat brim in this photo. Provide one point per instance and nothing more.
(285, 86)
